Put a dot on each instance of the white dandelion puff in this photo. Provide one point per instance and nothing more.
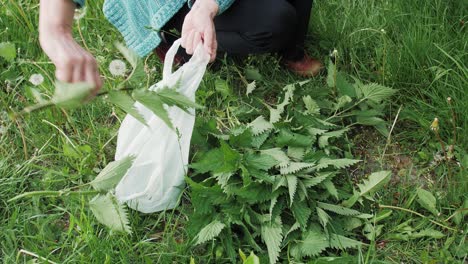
(117, 68)
(79, 13)
(36, 79)
(383, 31)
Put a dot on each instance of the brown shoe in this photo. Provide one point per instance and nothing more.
(161, 51)
(306, 67)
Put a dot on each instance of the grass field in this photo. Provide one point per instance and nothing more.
(418, 47)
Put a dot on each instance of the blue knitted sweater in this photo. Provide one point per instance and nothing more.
(140, 20)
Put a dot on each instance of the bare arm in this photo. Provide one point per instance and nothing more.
(73, 63)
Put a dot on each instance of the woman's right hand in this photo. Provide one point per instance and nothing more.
(73, 63)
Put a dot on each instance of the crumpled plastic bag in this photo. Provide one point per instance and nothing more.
(156, 178)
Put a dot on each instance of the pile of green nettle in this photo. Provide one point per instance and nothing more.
(276, 182)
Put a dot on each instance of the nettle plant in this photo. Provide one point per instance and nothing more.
(279, 181)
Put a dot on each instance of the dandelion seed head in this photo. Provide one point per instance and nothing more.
(117, 68)
(80, 13)
(383, 31)
(334, 53)
(36, 79)
(449, 99)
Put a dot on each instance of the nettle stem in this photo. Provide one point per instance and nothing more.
(418, 214)
(60, 193)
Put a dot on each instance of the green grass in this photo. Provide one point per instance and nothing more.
(422, 53)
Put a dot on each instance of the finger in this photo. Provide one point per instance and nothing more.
(189, 43)
(208, 37)
(91, 74)
(215, 50)
(78, 71)
(63, 73)
(197, 39)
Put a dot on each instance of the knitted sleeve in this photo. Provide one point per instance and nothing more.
(79, 3)
(223, 4)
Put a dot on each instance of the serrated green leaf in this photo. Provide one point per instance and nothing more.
(337, 163)
(250, 88)
(428, 232)
(341, 102)
(279, 155)
(71, 95)
(153, 102)
(260, 125)
(109, 212)
(7, 51)
(312, 181)
(301, 212)
(275, 113)
(294, 167)
(338, 209)
(328, 184)
(323, 139)
(296, 153)
(209, 232)
(342, 242)
(172, 97)
(138, 75)
(313, 244)
(253, 74)
(324, 218)
(260, 161)
(376, 92)
(272, 236)
(311, 105)
(257, 141)
(375, 182)
(292, 186)
(331, 74)
(427, 201)
(126, 103)
(288, 138)
(111, 175)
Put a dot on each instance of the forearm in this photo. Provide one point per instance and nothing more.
(55, 17)
(209, 6)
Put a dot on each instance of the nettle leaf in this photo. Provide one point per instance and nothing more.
(342, 242)
(295, 167)
(279, 155)
(374, 182)
(338, 209)
(172, 97)
(288, 138)
(272, 236)
(428, 232)
(337, 163)
(111, 175)
(252, 259)
(311, 105)
(209, 232)
(376, 92)
(341, 102)
(328, 184)
(8, 51)
(109, 212)
(313, 181)
(260, 125)
(154, 103)
(301, 212)
(323, 139)
(315, 131)
(292, 186)
(324, 218)
(313, 243)
(331, 74)
(260, 161)
(257, 141)
(427, 201)
(275, 114)
(296, 153)
(71, 95)
(250, 88)
(126, 103)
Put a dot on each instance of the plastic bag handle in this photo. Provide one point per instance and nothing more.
(169, 60)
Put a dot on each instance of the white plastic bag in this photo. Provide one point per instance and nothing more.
(156, 178)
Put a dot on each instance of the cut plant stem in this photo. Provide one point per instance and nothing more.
(418, 214)
(53, 194)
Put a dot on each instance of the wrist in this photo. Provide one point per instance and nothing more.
(55, 32)
(209, 6)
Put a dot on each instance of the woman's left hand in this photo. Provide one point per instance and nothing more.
(199, 27)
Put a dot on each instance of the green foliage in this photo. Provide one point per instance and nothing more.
(110, 176)
(126, 103)
(209, 232)
(71, 95)
(110, 212)
(427, 201)
(7, 51)
(283, 185)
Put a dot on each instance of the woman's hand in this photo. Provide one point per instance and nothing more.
(199, 27)
(73, 63)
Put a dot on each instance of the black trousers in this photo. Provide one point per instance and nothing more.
(256, 26)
